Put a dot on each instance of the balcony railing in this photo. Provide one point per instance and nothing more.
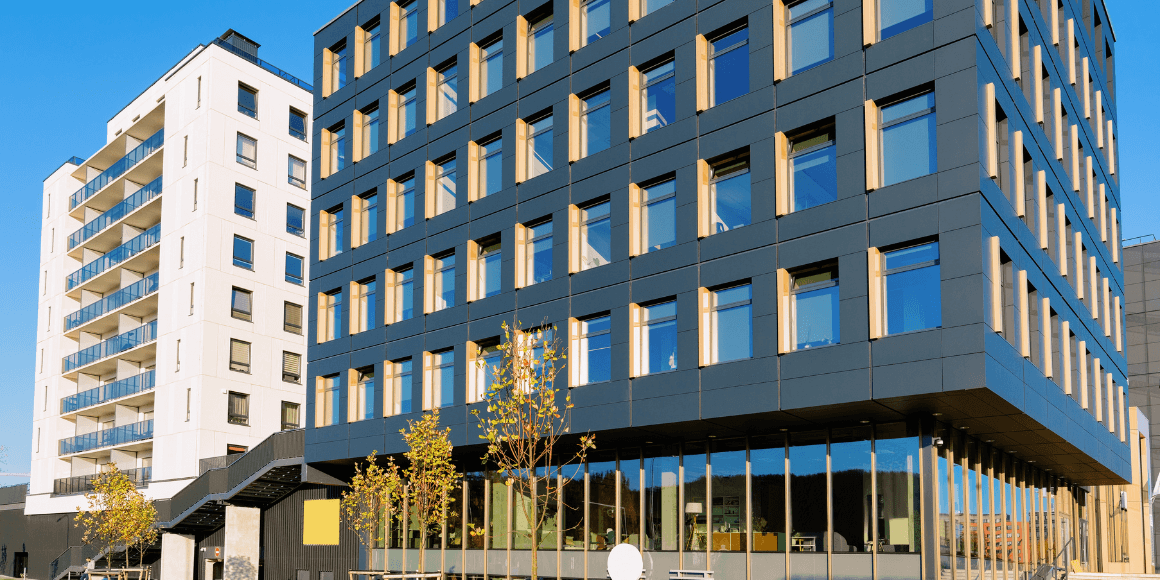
(122, 388)
(120, 343)
(115, 256)
(146, 148)
(140, 477)
(137, 199)
(107, 437)
(130, 293)
(269, 67)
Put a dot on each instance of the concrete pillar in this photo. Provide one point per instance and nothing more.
(242, 543)
(177, 556)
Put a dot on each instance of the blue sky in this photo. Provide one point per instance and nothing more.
(61, 91)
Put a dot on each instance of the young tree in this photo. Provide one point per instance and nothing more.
(366, 505)
(109, 513)
(140, 529)
(429, 477)
(524, 424)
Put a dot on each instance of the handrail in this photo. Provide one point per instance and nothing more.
(265, 65)
(130, 293)
(147, 147)
(117, 344)
(115, 256)
(122, 388)
(125, 207)
(107, 437)
(140, 477)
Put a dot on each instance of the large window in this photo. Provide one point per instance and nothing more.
(767, 475)
(911, 287)
(447, 92)
(908, 139)
(808, 501)
(445, 199)
(243, 201)
(661, 486)
(810, 30)
(247, 101)
(595, 123)
(362, 400)
(330, 319)
(896, 450)
(327, 395)
(595, 236)
(656, 340)
(440, 391)
(408, 111)
(370, 131)
(728, 505)
(247, 151)
(490, 67)
(658, 96)
(730, 198)
(239, 409)
(337, 150)
(241, 304)
(365, 309)
(239, 356)
(895, 16)
(404, 294)
(404, 203)
(368, 217)
(594, 350)
(371, 43)
(487, 361)
(490, 167)
(602, 513)
(728, 66)
(595, 20)
(443, 281)
(295, 171)
(814, 308)
(540, 44)
(334, 232)
(538, 253)
(850, 475)
(243, 252)
(488, 266)
(295, 220)
(657, 225)
(730, 324)
(813, 160)
(338, 67)
(539, 144)
(294, 265)
(408, 32)
(398, 388)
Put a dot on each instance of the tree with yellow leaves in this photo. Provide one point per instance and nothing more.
(525, 421)
(117, 515)
(368, 504)
(429, 477)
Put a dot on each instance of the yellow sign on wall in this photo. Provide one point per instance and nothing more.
(320, 522)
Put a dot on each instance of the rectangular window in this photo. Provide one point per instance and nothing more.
(337, 151)
(399, 386)
(595, 235)
(658, 96)
(338, 67)
(362, 399)
(294, 268)
(809, 34)
(295, 220)
(404, 202)
(291, 367)
(408, 32)
(896, 16)
(595, 123)
(241, 304)
(239, 409)
(181, 252)
(730, 196)
(371, 43)
(370, 131)
(490, 68)
(728, 66)
(490, 168)
(487, 361)
(540, 44)
(767, 493)
(292, 317)
(448, 10)
(593, 350)
(247, 151)
(539, 144)
(185, 149)
(368, 218)
(365, 308)
(188, 403)
(176, 361)
(657, 222)
(443, 281)
(488, 266)
(813, 160)
(439, 389)
(290, 419)
(912, 289)
(243, 201)
(730, 324)
(247, 101)
(330, 318)
(239, 356)
(243, 253)
(198, 106)
(814, 310)
(195, 194)
(908, 139)
(335, 232)
(538, 252)
(328, 395)
(296, 172)
(1012, 306)
(408, 111)
(656, 338)
(404, 294)
(297, 124)
(447, 91)
(648, 7)
(445, 176)
(595, 20)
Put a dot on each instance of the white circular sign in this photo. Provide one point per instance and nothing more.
(625, 563)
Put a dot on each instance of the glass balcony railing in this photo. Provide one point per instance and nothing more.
(122, 388)
(115, 256)
(269, 67)
(130, 293)
(137, 199)
(145, 149)
(107, 437)
(120, 343)
(84, 483)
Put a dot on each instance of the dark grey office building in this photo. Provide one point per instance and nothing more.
(840, 283)
(1142, 291)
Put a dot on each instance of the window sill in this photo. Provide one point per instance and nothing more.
(909, 332)
(812, 348)
(657, 373)
(590, 384)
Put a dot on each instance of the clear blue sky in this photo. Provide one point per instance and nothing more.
(58, 95)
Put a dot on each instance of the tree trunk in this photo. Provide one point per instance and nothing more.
(535, 560)
(422, 548)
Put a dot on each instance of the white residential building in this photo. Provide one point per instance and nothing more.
(172, 280)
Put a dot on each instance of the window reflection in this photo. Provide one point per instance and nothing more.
(696, 518)
(728, 524)
(807, 468)
(850, 499)
(602, 510)
(767, 467)
(661, 468)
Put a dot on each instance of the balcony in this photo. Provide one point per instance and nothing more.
(118, 344)
(107, 438)
(127, 206)
(114, 301)
(84, 483)
(133, 385)
(125, 251)
(123, 165)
